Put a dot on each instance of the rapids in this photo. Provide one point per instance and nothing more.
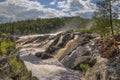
(49, 68)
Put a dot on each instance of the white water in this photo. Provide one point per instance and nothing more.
(42, 69)
(45, 72)
(50, 69)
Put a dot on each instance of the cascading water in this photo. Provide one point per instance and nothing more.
(47, 55)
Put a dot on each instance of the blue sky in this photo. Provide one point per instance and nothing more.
(15, 10)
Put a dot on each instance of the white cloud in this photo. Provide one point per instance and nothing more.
(82, 14)
(63, 5)
(86, 5)
(17, 9)
(53, 2)
(12, 10)
(83, 5)
(77, 7)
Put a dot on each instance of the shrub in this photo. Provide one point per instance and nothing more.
(84, 67)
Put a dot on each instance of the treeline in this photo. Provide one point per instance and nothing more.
(42, 25)
(102, 26)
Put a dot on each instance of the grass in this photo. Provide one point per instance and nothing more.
(16, 66)
(6, 46)
(84, 67)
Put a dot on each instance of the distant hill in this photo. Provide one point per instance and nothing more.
(39, 26)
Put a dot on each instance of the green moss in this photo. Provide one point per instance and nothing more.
(84, 67)
(16, 66)
(6, 46)
(3, 47)
(18, 71)
(3, 35)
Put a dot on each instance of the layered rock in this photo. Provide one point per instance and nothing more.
(66, 52)
(107, 62)
(40, 59)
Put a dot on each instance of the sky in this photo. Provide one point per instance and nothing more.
(15, 10)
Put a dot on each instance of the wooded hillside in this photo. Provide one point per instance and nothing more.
(42, 25)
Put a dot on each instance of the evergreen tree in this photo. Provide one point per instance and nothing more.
(105, 13)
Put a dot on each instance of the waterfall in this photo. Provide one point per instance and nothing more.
(45, 55)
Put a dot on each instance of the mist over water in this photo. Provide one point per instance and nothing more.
(68, 26)
(72, 25)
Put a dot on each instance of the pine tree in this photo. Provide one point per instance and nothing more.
(104, 15)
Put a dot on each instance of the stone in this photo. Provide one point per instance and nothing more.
(103, 70)
(73, 49)
(39, 54)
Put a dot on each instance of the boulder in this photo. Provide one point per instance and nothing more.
(104, 70)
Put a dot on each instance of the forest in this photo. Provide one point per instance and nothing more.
(42, 25)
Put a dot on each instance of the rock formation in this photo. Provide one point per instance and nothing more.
(59, 56)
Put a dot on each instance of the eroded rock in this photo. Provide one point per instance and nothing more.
(65, 52)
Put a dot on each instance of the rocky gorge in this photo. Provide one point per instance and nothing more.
(70, 56)
(61, 56)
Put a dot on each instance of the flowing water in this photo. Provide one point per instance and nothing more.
(45, 69)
